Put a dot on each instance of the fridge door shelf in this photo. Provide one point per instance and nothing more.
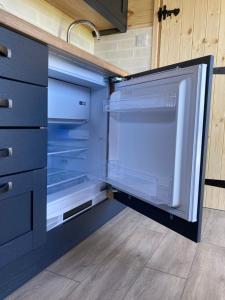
(149, 187)
(144, 105)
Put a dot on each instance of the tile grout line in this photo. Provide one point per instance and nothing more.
(164, 272)
(145, 265)
(60, 275)
(188, 275)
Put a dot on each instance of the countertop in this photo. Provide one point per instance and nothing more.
(58, 45)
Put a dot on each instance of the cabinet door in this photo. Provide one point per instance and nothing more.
(158, 124)
(115, 11)
(22, 59)
(22, 214)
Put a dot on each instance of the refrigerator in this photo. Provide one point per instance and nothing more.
(141, 139)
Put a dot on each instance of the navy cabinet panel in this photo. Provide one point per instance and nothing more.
(115, 11)
(22, 104)
(19, 206)
(22, 214)
(23, 59)
(22, 150)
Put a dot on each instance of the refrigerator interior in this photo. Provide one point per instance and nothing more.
(77, 130)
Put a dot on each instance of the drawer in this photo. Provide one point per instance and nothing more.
(23, 59)
(22, 104)
(22, 213)
(22, 150)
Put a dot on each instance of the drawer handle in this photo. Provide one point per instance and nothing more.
(6, 152)
(5, 52)
(5, 103)
(6, 187)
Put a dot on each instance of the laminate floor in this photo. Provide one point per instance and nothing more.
(134, 258)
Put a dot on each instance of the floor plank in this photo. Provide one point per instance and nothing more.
(82, 260)
(207, 276)
(47, 286)
(156, 285)
(119, 271)
(214, 231)
(174, 256)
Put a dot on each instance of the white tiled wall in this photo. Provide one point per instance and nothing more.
(130, 51)
(45, 16)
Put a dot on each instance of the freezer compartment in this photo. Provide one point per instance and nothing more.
(67, 103)
(72, 199)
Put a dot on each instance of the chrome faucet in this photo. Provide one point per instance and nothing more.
(85, 22)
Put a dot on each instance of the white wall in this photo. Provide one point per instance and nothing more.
(130, 51)
(45, 16)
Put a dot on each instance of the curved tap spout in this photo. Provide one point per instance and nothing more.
(84, 22)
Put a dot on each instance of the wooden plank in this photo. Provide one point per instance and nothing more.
(140, 13)
(214, 228)
(156, 36)
(174, 256)
(212, 198)
(217, 130)
(187, 28)
(45, 286)
(174, 33)
(118, 272)
(198, 43)
(212, 28)
(79, 9)
(72, 51)
(164, 41)
(156, 285)
(206, 279)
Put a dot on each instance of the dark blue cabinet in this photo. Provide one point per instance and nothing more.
(115, 11)
(22, 214)
(23, 144)
(22, 104)
(22, 58)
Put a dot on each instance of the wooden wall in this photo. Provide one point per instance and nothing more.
(140, 13)
(199, 30)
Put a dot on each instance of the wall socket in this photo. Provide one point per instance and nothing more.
(141, 40)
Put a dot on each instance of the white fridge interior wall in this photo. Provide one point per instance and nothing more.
(77, 130)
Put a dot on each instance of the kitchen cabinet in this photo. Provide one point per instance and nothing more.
(138, 140)
(115, 11)
(23, 144)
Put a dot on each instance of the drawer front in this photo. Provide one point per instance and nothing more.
(22, 58)
(22, 104)
(22, 213)
(22, 150)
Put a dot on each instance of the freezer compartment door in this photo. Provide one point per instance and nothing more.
(157, 133)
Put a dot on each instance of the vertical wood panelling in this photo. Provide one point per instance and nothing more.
(174, 32)
(197, 31)
(187, 27)
(199, 39)
(156, 32)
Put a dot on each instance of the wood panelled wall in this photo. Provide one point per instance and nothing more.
(140, 13)
(199, 30)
